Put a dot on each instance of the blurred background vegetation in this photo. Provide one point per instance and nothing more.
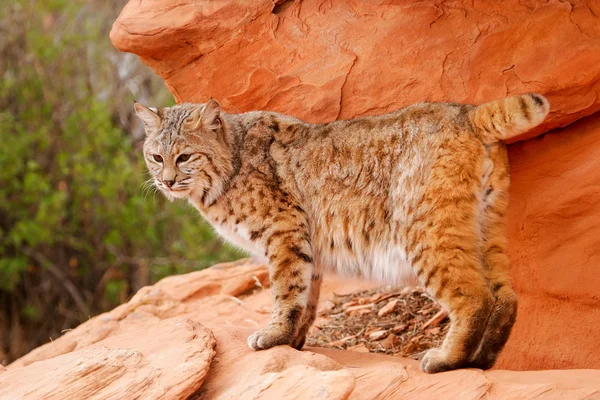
(79, 231)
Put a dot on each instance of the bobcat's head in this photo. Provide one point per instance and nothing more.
(186, 149)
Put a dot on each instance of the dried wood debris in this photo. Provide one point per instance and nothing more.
(404, 322)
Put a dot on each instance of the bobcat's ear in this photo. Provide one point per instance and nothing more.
(211, 116)
(193, 121)
(148, 116)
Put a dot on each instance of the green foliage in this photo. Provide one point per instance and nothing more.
(78, 233)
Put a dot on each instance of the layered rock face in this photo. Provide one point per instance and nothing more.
(326, 60)
(554, 233)
(185, 337)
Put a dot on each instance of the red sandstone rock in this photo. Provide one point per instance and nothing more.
(167, 360)
(325, 60)
(554, 233)
(156, 349)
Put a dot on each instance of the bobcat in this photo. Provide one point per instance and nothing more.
(420, 193)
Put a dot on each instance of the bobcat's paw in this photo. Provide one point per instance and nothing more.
(269, 336)
(435, 360)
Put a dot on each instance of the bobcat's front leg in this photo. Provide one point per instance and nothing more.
(311, 310)
(290, 269)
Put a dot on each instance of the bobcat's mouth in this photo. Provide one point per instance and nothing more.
(178, 192)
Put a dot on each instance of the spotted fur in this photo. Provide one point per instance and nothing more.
(418, 195)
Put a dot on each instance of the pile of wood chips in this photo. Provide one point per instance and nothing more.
(404, 322)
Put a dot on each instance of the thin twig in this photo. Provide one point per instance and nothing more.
(60, 276)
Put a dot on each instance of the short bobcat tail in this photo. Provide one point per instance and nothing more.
(509, 117)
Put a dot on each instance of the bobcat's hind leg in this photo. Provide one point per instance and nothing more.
(496, 263)
(443, 247)
(453, 275)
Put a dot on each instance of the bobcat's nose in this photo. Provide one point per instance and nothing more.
(169, 183)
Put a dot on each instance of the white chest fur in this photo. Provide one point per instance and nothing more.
(239, 236)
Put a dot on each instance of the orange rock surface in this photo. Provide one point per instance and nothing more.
(170, 361)
(321, 60)
(554, 234)
(160, 345)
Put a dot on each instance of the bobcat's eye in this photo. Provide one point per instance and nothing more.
(157, 158)
(183, 158)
